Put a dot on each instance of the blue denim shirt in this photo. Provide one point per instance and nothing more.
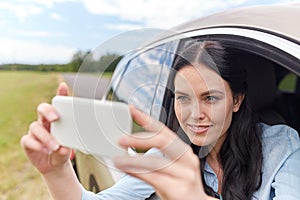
(280, 177)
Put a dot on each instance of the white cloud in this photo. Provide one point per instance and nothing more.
(133, 14)
(32, 52)
(3, 24)
(157, 13)
(47, 3)
(56, 16)
(26, 8)
(31, 33)
(34, 34)
(22, 11)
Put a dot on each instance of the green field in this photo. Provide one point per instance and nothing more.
(20, 93)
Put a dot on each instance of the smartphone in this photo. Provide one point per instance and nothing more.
(91, 126)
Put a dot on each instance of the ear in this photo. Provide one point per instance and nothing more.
(237, 101)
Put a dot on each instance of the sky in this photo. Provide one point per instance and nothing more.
(52, 31)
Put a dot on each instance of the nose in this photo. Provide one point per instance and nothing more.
(197, 111)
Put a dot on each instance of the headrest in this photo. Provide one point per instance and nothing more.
(261, 82)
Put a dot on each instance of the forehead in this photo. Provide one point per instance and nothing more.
(198, 78)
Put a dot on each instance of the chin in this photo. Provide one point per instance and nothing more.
(198, 142)
(201, 141)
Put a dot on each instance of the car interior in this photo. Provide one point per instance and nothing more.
(287, 103)
(273, 104)
(273, 91)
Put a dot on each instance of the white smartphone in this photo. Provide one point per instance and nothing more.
(91, 126)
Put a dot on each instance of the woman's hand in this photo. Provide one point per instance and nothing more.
(39, 145)
(174, 176)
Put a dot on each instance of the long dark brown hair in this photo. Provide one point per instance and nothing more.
(241, 153)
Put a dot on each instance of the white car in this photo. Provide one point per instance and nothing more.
(266, 41)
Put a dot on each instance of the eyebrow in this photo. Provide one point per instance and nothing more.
(212, 92)
(202, 94)
(180, 92)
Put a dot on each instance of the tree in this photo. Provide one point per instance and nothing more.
(85, 62)
(77, 60)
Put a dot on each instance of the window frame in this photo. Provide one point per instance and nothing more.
(270, 49)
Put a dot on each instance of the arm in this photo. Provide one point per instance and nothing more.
(287, 181)
(63, 183)
(50, 159)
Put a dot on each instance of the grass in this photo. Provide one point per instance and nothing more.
(20, 93)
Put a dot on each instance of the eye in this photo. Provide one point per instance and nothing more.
(182, 98)
(211, 99)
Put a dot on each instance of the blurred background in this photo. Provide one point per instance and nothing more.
(41, 39)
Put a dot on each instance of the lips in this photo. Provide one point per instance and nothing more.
(198, 129)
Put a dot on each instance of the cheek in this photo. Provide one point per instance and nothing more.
(178, 110)
(181, 111)
(222, 115)
(218, 113)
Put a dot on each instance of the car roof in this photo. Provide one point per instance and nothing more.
(280, 19)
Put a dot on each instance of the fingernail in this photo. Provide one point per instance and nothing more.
(63, 83)
(52, 116)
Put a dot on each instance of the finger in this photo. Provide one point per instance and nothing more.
(43, 136)
(158, 163)
(63, 89)
(144, 120)
(159, 182)
(142, 164)
(159, 171)
(166, 186)
(167, 141)
(29, 143)
(152, 169)
(46, 115)
(160, 137)
(147, 140)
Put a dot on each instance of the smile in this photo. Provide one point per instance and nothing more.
(198, 129)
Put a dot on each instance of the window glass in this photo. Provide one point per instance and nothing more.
(141, 80)
(288, 83)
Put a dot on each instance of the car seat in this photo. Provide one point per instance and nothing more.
(262, 88)
(288, 104)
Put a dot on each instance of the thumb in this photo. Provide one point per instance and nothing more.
(144, 120)
(62, 89)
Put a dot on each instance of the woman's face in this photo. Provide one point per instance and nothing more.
(203, 104)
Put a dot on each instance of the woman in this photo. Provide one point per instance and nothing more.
(231, 154)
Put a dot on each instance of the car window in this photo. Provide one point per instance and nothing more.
(141, 79)
(288, 83)
(274, 95)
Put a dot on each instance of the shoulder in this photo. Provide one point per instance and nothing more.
(280, 135)
(281, 159)
(279, 142)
